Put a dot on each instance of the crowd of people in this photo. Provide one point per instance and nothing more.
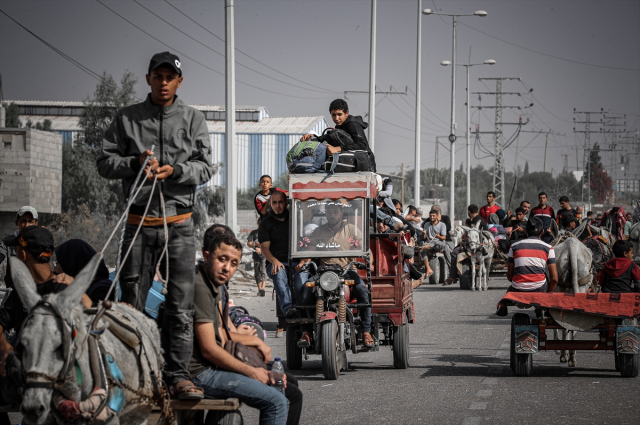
(196, 325)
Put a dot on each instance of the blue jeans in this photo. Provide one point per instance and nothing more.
(361, 294)
(280, 282)
(218, 383)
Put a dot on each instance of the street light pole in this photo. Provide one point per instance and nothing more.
(231, 202)
(416, 179)
(452, 135)
(468, 144)
(372, 78)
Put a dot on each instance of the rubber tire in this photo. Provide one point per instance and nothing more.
(294, 354)
(521, 364)
(465, 277)
(629, 364)
(444, 270)
(435, 266)
(224, 417)
(401, 346)
(329, 345)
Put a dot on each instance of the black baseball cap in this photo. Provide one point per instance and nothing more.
(37, 240)
(165, 58)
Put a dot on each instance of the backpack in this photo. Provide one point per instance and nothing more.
(306, 156)
(347, 162)
(338, 138)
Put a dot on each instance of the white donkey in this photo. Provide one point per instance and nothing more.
(480, 248)
(634, 238)
(56, 352)
(575, 274)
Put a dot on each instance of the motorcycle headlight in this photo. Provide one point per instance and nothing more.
(329, 281)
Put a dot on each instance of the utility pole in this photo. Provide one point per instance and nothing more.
(498, 135)
(416, 179)
(231, 201)
(402, 175)
(565, 167)
(372, 78)
(587, 142)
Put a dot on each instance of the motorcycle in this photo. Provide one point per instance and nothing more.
(335, 327)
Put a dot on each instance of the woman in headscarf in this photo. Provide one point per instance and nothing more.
(72, 256)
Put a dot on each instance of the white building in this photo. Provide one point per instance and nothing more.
(262, 141)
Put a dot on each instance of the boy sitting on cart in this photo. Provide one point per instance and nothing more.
(621, 274)
(338, 235)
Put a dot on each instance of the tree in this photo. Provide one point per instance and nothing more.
(526, 168)
(601, 182)
(100, 110)
(13, 116)
(44, 125)
(81, 183)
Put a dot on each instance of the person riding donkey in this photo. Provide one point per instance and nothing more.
(184, 162)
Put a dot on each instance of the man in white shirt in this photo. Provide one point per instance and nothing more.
(435, 235)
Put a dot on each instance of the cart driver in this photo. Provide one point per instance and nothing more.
(338, 235)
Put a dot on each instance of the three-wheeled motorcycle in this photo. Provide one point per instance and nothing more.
(332, 315)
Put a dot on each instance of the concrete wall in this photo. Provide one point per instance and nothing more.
(30, 170)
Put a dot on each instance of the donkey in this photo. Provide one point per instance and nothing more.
(634, 238)
(480, 249)
(575, 274)
(56, 331)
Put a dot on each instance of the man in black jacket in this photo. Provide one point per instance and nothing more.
(354, 125)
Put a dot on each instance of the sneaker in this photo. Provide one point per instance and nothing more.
(280, 333)
(261, 293)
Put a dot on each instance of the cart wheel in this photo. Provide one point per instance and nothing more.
(435, 266)
(444, 270)
(401, 346)
(465, 276)
(521, 364)
(222, 417)
(330, 353)
(294, 354)
(628, 364)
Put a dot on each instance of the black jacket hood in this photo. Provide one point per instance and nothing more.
(356, 119)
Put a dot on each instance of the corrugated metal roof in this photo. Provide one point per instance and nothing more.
(58, 103)
(57, 122)
(65, 103)
(272, 125)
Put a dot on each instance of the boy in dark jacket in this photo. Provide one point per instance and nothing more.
(354, 125)
(621, 274)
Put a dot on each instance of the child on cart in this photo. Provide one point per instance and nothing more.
(621, 274)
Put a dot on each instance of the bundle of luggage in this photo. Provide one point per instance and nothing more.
(312, 156)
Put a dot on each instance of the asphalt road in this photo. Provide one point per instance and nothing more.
(459, 372)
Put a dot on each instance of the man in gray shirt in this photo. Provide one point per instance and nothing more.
(435, 235)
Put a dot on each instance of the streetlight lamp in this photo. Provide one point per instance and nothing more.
(469, 65)
(452, 135)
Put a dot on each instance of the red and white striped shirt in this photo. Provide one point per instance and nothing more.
(529, 257)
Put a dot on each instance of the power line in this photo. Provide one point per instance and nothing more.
(429, 110)
(192, 59)
(551, 56)
(218, 53)
(91, 73)
(246, 54)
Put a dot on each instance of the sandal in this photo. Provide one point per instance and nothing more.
(186, 390)
(367, 340)
(305, 340)
(449, 281)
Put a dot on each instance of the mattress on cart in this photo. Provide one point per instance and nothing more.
(361, 184)
(616, 306)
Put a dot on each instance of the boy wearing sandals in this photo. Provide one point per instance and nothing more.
(180, 162)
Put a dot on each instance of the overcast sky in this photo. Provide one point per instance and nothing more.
(574, 54)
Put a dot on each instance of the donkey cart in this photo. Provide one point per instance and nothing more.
(613, 316)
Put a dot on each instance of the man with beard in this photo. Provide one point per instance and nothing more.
(336, 235)
(273, 235)
(218, 373)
